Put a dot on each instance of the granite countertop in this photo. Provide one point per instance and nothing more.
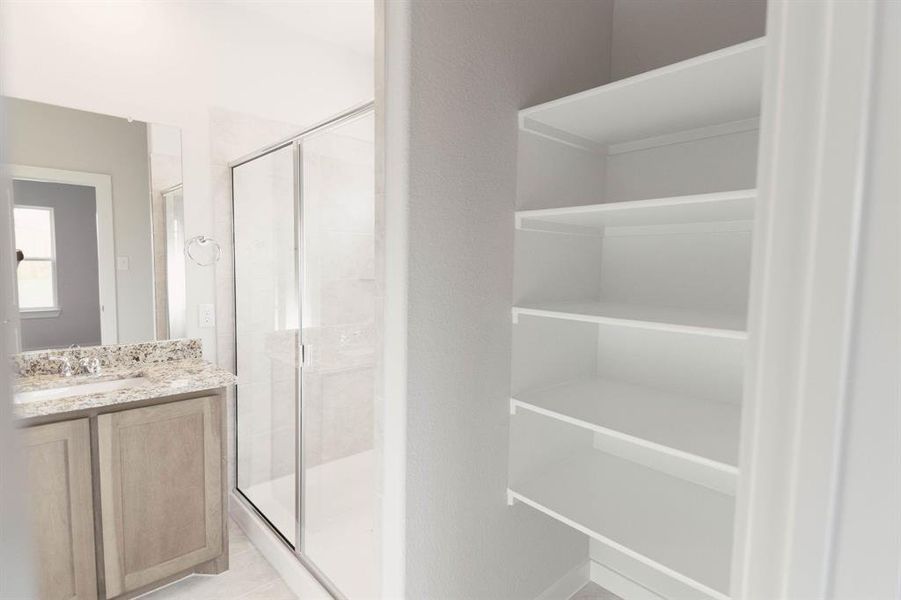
(161, 379)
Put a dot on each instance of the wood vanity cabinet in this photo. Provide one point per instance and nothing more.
(160, 490)
(58, 463)
(126, 500)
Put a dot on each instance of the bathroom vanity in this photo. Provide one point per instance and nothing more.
(126, 467)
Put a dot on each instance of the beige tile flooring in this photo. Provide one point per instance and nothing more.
(249, 577)
(593, 591)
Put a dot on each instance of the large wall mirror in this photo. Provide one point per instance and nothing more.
(98, 226)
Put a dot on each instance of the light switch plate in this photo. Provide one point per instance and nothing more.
(206, 315)
(122, 263)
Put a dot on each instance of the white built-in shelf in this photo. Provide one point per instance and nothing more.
(718, 207)
(708, 90)
(680, 528)
(659, 318)
(702, 432)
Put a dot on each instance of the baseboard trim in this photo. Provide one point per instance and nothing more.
(286, 564)
(569, 584)
(619, 584)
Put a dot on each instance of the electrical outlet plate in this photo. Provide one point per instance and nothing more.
(206, 315)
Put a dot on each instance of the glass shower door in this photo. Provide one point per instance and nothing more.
(266, 328)
(341, 338)
(307, 339)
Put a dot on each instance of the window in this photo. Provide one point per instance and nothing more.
(36, 274)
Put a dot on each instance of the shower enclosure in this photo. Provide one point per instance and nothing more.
(307, 339)
(173, 206)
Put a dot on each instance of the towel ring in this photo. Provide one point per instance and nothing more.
(202, 240)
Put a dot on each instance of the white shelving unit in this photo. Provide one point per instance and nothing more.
(707, 91)
(678, 320)
(630, 313)
(718, 207)
(617, 502)
(690, 429)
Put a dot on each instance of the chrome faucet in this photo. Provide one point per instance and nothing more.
(91, 366)
(65, 367)
(85, 366)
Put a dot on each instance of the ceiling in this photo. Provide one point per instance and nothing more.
(347, 23)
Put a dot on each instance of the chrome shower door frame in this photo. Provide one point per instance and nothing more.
(296, 142)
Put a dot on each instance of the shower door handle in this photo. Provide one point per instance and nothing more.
(304, 351)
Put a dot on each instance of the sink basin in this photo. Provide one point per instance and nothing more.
(78, 389)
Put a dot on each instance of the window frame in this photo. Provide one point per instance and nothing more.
(54, 309)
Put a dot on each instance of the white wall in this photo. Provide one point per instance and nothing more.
(867, 541)
(465, 68)
(648, 34)
(169, 62)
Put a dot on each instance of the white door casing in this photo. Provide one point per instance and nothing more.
(826, 74)
(106, 248)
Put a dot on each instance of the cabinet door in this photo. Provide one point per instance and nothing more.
(58, 459)
(160, 490)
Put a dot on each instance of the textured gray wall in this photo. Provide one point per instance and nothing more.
(648, 34)
(75, 215)
(472, 65)
(42, 135)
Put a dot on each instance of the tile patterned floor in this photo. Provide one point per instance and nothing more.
(249, 577)
(593, 591)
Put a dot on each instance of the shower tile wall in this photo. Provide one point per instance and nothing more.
(165, 172)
